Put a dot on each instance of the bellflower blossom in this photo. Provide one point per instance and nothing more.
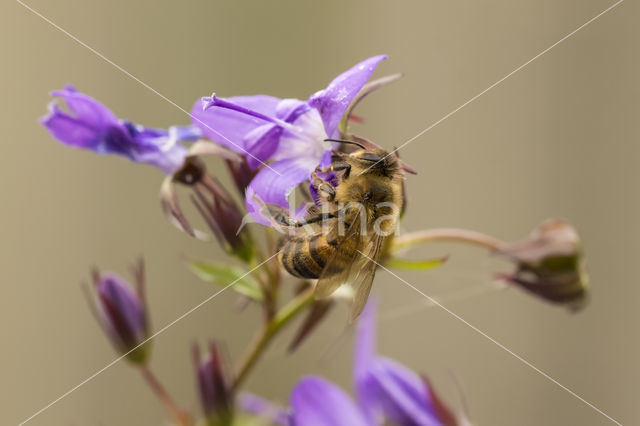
(91, 125)
(388, 393)
(289, 133)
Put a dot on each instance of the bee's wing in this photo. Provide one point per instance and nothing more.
(365, 273)
(339, 266)
(353, 263)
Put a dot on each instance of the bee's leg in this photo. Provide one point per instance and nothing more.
(337, 165)
(326, 191)
(279, 216)
(320, 217)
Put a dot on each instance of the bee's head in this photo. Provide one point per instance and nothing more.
(373, 161)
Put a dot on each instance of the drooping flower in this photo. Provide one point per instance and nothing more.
(550, 264)
(289, 134)
(214, 203)
(213, 387)
(388, 393)
(122, 313)
(90, 125)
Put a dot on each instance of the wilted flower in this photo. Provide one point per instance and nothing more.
(214, 203)
(122, 313)
(213, 387)
(288, 132)
(91, 125)
(550, 264)
(388, 393)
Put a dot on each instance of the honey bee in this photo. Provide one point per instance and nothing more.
(341, 240)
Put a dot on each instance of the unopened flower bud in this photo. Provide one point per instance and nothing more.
(223, 216)
(213, 387)
(121, 311)
(550, 264)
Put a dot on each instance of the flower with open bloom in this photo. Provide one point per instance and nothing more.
(386, 389)
(388, 393)
(122, 313)
(91, 125)
(549, 264)
(289, 133)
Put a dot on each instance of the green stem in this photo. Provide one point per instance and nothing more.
(181, 417)
(265, 336)
(448, 234)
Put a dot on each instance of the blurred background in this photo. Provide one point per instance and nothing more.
(558, 138)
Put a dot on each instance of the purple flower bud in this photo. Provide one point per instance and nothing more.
(213, 387)
(549, 264)
(121, 312)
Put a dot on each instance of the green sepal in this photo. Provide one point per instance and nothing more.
(394, 262)
(223, 275)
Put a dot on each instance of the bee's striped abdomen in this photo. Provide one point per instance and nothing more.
(306, 257)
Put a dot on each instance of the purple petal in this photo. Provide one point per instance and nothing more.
(365, 348)
(157, 147)
(91, 125)
(399, 393)
(290, 109)
(85, 122)
(184, 133)
(273, 184)
(385, 388)
(262, 143)
(229, 127)
(168, 161)
(333, 101)
(256, 405)
(317, 402)
(122, 310)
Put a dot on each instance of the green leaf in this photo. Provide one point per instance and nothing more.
(223, 275)
(415, 264)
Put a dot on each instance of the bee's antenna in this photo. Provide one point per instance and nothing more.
(347, 142)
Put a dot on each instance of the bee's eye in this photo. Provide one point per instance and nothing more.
(370, 156)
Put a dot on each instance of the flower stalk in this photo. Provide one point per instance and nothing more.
(180, 416)
(448, 235)
(266, 335)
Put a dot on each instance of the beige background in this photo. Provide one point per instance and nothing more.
(559, 138)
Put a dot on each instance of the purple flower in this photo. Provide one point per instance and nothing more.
(121, 312)
(385, 388)
(388, 393)
(289, 133)
(91, 125)
(318, 402)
